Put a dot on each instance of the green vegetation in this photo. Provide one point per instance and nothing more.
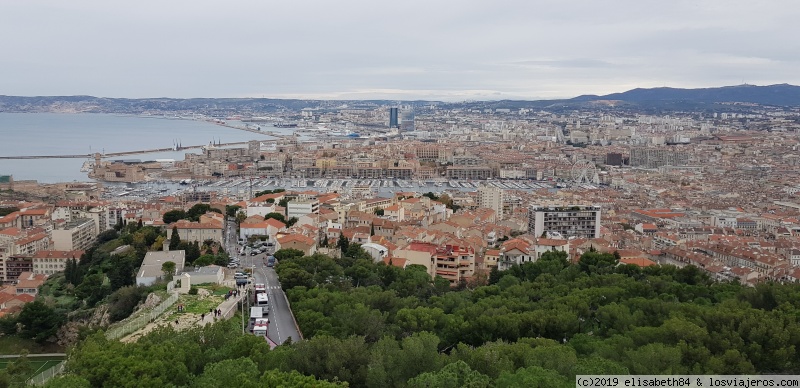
(13, 344)
(275, 191)
(212, 356)
(15, 372)
(97, 277)
(445, 199)
(538, 324)
(193, 214)
(4, 211)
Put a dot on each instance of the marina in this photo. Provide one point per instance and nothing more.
(242, 188)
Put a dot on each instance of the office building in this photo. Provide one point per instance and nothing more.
(393, 118)
(407, 120)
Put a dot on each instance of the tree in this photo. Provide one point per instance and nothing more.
(277, 216)
(594, 261)
(342, 243)
(198, 210)
(241, 372)
(175, 239)
(325, 240)
(174, 216)
(379, 212)
(72, 273)
(168, 268)
(121, 274)
(283, 202)
(455, 375)
(39, 321)
(288, 254)
(4, 211)
(107, 236)
(231, 210)
(192, 252)
(118, 226)
(532, 376)
(123, 301)
(291, 221)
(17, 372)
(205, 260)
(240, 217)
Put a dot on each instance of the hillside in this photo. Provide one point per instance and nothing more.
(779, 95)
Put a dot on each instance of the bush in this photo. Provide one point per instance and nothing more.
(123, 301)
(193, 291)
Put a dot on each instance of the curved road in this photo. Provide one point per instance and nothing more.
(281, 322)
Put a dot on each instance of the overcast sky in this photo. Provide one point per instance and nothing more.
(404, 49)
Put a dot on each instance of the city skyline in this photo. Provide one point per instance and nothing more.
(447, 51)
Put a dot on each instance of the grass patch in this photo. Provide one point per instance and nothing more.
(195, 304)
(11, 344)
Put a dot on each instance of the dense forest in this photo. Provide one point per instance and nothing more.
(539, 324)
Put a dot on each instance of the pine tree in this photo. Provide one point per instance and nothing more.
(343, 244)
(175, 239)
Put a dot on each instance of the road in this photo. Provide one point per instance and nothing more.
(281, 323)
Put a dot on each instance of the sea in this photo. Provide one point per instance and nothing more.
(85, 133)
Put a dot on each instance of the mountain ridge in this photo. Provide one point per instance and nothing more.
(784, 95)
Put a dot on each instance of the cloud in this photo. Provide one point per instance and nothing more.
(411, 49)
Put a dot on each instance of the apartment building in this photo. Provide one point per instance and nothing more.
(11, 267)
(456, 263)
(300, 207)
(492, 198)
(78, 234)
(658, 157)
(565, 221)
(196, 231)
(49, 262)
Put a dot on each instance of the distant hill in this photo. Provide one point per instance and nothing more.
(779, 95)
(641, 100)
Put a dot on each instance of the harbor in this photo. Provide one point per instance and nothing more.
(244, 188)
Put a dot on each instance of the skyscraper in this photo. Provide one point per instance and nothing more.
(393, 122)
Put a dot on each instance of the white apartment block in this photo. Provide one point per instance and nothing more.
(78, 234)
(566, 221)
(300, 207)
(491, 197)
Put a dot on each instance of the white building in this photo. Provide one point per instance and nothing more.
(568, 221)
(78, 234)
(150, 271)
(491, 197)
(300, 207)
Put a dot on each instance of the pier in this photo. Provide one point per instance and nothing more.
(117, 154)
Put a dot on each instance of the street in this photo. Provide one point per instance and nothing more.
(281, 324)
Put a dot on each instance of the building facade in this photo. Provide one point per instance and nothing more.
(565, 221)
(492, 198)
(78, 234)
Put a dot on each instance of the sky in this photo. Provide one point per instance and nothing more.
(396, 50)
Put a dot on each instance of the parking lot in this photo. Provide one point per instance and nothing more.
(248, 255)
